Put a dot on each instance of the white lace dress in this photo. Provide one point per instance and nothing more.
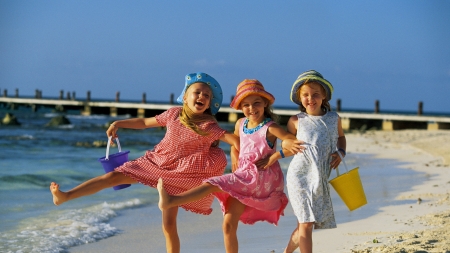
(308, 173)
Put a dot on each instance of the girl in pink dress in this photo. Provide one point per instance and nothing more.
(254, 191)
(187, 155)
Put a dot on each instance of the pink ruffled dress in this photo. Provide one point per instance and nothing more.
(260, 190)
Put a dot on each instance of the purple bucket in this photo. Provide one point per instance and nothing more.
(110, 162)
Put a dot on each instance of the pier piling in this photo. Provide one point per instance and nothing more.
(377, 106)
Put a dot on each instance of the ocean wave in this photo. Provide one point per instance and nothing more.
(70, 126)
(60, 230)
(17, 137)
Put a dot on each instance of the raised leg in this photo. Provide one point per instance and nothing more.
(167, 201)
(89, 187)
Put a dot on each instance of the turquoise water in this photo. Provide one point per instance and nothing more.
(33, 155)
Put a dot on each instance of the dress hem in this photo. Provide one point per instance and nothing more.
(154, 186)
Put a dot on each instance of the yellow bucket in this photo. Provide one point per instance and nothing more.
(349, 188)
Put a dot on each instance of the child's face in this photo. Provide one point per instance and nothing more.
(198, 97)
(253, 108)
(312, 95)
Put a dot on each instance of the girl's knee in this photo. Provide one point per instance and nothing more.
(229, 227)
(111, 175)
(308, 227)
(116, 178)
(169, 221)
(169, 226)
(230, 224)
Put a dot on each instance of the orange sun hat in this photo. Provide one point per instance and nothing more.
(247, 88)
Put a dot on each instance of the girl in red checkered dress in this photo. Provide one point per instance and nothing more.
(187, 155)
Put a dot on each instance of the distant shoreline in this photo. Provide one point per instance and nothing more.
(280, 107)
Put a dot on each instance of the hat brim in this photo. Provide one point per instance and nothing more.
(235, 104)
(216, 100)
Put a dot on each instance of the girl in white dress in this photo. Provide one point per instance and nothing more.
(307, 177)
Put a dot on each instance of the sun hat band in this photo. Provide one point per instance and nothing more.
(247, 88)
(310, 76)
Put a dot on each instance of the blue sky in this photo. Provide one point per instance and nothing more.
(397, 52)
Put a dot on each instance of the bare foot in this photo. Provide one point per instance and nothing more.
(58, 196)
(163, 196)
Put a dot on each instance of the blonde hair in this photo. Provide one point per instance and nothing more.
(325, 104)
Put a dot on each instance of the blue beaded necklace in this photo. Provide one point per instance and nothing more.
(252, 130)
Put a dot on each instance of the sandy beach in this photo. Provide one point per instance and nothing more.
(417, 220)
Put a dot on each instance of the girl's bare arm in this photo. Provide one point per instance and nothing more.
(280, 133)
(290, 144)
(137, 123)
(234, 153)
(231, 139)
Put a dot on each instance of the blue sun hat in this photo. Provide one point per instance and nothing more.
(310, 76)
(200, 77)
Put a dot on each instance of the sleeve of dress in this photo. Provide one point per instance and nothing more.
(168, 115)
(215, 131)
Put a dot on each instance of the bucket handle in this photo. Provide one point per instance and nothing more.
(343, 161)
(108, 145)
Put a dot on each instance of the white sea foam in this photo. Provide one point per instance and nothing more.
(60, 230)
(70, 126)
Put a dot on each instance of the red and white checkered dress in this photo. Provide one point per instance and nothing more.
(183, 159)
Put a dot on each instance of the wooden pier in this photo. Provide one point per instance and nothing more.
(350, 120)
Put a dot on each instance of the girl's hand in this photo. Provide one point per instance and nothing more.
(262, 164)
(335, 160)
(295, 146)
(266, 162)
(234, 165)
(112, 131)
(234, 154)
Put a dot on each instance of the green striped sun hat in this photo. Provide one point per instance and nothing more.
(310, 76)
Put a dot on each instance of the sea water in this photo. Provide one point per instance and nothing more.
(33, 155)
